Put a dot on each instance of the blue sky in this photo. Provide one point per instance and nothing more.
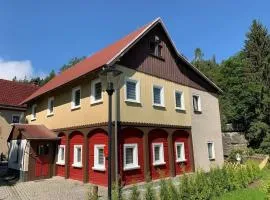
(38, 36)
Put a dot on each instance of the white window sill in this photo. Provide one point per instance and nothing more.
(180, 109)
(33, 119)
(181, 160)
(127, 168)
(60, 163)
(159, 163)
(50, 114)
(159, 105)
(132, 101)
(96, 102)
(212, 159)
(75, 107)
(77, 165)
(98, 168)
(198, 111)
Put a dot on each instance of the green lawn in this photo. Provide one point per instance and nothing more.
(254, 192)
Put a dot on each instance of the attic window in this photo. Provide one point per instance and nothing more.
(155, 47)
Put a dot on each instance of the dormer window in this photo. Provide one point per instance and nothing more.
(155, 47)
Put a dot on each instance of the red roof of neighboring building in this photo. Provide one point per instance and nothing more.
(106, 56)
(12, 93)
(31, 132)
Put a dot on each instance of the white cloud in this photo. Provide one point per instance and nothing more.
(11, 68)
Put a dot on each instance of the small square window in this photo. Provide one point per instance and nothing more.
(50, 106)
(158, 154)
(131, 156)
(76, 98)
(179, 100)
(132, 90)
(211, 150)
(99, 157)
(158, 96)
(15, 119)
(77, 159)
(155, 47)
(197, 103)
(96, 91)
(34, 112)
(180, 151)
(61, 155)
(43, 149)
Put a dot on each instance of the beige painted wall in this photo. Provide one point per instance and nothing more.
(206, 127)
(145, 111)
(64, 116)
(88, 114)
(5, 129)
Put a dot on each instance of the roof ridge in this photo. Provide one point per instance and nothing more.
(19, 83)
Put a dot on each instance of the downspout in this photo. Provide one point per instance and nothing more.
(116, 133)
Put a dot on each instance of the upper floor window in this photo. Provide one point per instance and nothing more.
(43, 149)
(15, 118)
(158, 96)
(77, 156)
(155, 47)
(99, 158)
(211, 150)
(76, 98)
(179, 100)
(34, 112)
(158, 154)
(61, 155)
(180, 151)
(50, 106)
(131, 156)
(96, 91)
(197, 103)
(132, 90)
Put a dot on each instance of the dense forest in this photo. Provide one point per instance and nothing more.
(244, 79)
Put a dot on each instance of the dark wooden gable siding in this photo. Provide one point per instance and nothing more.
(170, 67)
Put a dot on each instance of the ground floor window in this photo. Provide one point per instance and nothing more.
(211, 150)
(77, 159)
(158, 154)
(61, 155)
(180, 151)
(99, 158)
(43, 149)
(131, 156)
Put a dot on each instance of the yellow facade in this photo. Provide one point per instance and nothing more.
(143, 112)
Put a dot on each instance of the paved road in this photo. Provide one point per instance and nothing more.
(54, 188)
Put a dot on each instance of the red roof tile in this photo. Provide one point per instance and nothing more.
(99, 59)
(13, 93)
(31, 132)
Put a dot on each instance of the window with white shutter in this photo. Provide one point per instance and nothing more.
(131, 156)
(96, 91)
(132, 90)
(158, 96)
(99, 158)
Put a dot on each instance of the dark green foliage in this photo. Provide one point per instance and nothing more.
(71, 63)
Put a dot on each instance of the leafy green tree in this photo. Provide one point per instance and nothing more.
(198, 54)
(71, 63)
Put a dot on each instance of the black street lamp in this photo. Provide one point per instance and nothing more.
(110, 78)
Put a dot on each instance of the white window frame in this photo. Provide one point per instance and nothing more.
(97, 166)
(135, 164)
(59, 160)
(161, 154)
(15, 115)
(182, 157)
(75, 158)
(162, 103)
(182, 100)
(34, 115)
(93, 92)
(213, 150)
(138, 90)
(73, 98)
(49, 113)
(199, 103)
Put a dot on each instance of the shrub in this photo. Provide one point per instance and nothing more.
(135, 194)
(90, 195)
(149, 193)
(164, 191)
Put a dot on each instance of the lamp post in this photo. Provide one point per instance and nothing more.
(110, 78)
